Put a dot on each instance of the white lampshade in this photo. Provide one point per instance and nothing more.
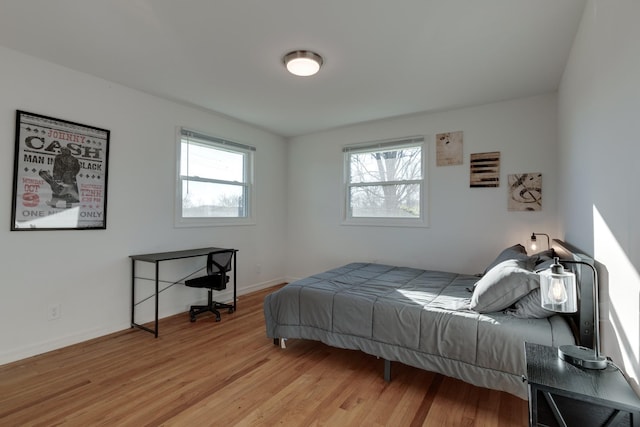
(303, 62)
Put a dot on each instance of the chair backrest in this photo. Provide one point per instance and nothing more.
(219, 262)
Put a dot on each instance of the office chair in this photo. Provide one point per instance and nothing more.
(218, 265)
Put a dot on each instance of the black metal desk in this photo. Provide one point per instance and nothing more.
(156, 258)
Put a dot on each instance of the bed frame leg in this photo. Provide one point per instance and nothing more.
(280, 342)
(387, 370)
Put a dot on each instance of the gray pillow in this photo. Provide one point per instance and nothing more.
(528, 307)
(503, 285)
(543, 256)
(513, 252)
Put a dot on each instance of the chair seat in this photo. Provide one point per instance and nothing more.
(216, 282)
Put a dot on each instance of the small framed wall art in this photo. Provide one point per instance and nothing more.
(484, 170)
(59, 175)
(525, 192)
(449, 148)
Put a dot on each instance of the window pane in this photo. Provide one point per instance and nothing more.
(211, 162)
(206, 200)
(388, 165)
(392, 201)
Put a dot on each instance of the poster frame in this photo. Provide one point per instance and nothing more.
(60, 174)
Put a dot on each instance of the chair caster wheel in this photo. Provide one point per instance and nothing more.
(192, 319)
(217, 319)
(231, 310)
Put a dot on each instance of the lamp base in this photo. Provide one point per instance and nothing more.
(582, 357)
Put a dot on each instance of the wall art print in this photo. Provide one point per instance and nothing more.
(449, 148)
(525, 192)
(60, 174)
(484, 170)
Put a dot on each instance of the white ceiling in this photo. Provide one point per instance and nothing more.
(383, 58)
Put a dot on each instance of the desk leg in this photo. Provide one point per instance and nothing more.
(235, 280)
(133, 291)
(157, 296)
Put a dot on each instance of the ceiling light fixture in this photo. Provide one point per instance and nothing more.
(302, 62)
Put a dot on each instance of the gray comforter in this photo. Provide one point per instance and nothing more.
(413, 316)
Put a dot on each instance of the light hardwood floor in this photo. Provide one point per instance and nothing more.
(229, 373)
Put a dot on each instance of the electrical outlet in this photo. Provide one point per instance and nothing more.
(54, 311)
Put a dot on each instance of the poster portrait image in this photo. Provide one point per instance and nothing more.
(60, 174)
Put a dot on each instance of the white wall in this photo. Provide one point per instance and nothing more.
(599, 127)
(88, 272)
(468, 226)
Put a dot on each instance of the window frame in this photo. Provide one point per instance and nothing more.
(386, 145)
(248, 153)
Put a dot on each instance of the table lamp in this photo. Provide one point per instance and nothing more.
(558, 293)
(533, 244)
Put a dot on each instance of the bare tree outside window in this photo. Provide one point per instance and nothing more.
(386, 182)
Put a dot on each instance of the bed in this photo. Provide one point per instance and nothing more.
(469, 327)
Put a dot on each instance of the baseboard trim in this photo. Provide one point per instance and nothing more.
(65, 341)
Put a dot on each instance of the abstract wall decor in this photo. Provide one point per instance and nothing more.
(525, 192)
(449, 148)
(484, 170)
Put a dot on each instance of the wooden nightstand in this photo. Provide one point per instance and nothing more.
(561, 394)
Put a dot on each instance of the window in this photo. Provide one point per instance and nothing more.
(385, 183)
(214, 185)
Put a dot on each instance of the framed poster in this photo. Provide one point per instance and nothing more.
(59, 175)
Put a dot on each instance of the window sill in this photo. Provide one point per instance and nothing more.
(375, 222)
(218, 222)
